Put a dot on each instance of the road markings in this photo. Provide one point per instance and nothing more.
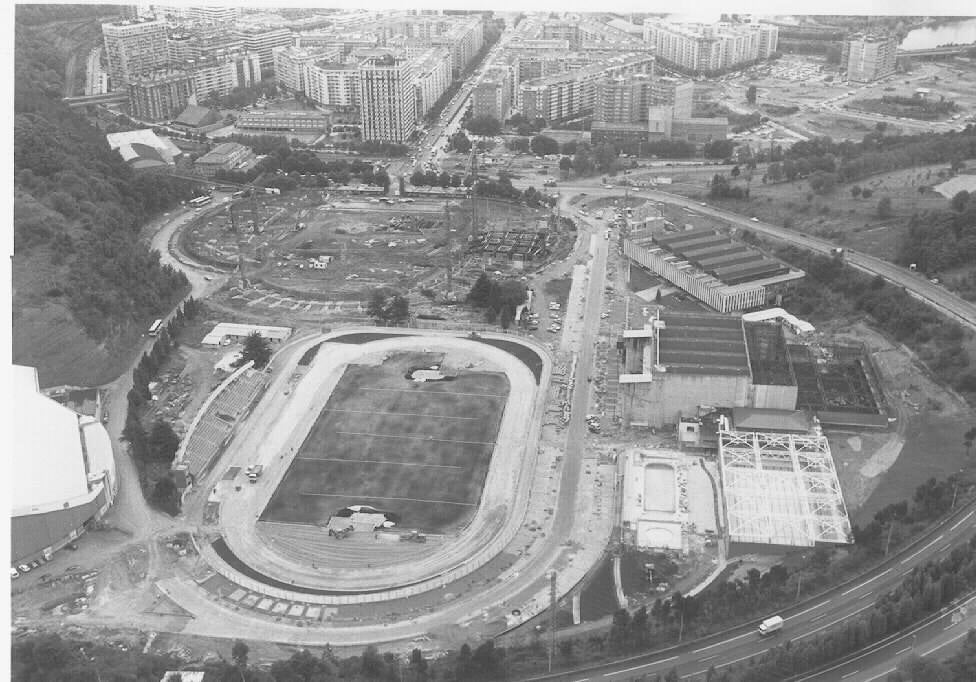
(708, 658)
(812, 608)
(936, 648)
(638, 667)
(844, 677)
(899, 653)
(834, 622)
(857, 587)
(945, 546)
(383, 461)
(427, 438)
(957, 523)
(907, 559)
(884, 674)
(724, 641)
(404, 414)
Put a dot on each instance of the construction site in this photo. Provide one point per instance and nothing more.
(324, 246)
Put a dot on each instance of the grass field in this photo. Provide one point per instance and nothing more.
(417, 450)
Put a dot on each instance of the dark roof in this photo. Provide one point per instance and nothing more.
(757, 419)
(703, 344)
(877, 421)
(196, 116)
(146, 153)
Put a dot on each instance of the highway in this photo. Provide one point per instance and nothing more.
(805, 619)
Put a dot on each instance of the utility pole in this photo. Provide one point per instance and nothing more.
(552, 617)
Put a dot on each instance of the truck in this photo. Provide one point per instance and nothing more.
(770, 626)
(254, 472)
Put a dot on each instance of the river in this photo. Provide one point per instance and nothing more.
(956, 32)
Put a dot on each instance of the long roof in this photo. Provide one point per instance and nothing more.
(702, 344)
(46, 456)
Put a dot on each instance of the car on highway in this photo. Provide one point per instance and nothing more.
(754, 219)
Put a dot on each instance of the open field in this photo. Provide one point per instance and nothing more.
(419, 451)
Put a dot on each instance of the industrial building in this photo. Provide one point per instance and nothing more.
(284, 121)
(720, 272)
(684, 365)
(227, 156)
(231, 332)
(63, 471)
(780, 490)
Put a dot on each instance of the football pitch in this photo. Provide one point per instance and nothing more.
(419, 451)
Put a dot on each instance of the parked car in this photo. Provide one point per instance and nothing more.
(14, 573)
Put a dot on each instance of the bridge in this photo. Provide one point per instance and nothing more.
(104, 98)
(945, 51)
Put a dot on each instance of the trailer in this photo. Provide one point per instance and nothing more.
(770, 626)
(254, 472)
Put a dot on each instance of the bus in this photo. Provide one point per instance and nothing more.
(155, 327)
(199, 202)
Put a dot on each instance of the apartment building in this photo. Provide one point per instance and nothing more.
(387, 98)
(221, 74)
(203, 41)
(160, 95)
(703, 48)
(264, 41)
(333, 83)
(624, 99)
(291, 64)
(573, 93)
(133, 48)
(868, 58)
(433, 76)
(346, 42)
(492, 96)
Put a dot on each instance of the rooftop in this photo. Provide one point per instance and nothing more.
(692, 343)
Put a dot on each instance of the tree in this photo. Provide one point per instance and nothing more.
(540, 145)
(418, 664)
(460, 143)
(566, 164)
(751, 94)
(256, 348)
(583, 162)
(388, 307)
(488, 126)
(163, 442)
(822, 182)
(239, 653)
(856, 191)
(480, 291)
(884, 208)
(606, 155)
(867, 192)
(775, 171)
(719, 149)
(959, 201)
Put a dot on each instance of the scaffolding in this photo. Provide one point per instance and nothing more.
(781, 489)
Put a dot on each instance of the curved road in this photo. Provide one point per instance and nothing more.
(945, 301)
(803, 620)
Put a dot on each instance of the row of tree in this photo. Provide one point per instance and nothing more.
(155, 451)
(831, 288)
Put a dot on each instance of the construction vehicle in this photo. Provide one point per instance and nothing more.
(254, 472)
(770, 626)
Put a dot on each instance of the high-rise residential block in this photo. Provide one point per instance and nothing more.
(869, 58)
(133, 48)
(703, 48)
(161, 95)
(387, 98)
(291, 64)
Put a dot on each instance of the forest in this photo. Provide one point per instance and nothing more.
(79, 208)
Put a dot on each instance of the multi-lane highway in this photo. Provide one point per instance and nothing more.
(805, 619)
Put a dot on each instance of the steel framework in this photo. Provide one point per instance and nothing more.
(781, 489)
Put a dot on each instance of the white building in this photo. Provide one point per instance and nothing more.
(62, 471)
(229, 332)
(333, 83)
(387, 98)
(710, 47)
(133, 48)
(291, 64)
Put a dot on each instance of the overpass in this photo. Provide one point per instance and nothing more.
(944, 51)
(104, 98)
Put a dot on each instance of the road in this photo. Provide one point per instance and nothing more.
(803, 620)
(934, 295)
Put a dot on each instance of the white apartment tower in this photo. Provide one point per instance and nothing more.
(387, 98)
(134, 48)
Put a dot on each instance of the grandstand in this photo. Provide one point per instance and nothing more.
(213, 430)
